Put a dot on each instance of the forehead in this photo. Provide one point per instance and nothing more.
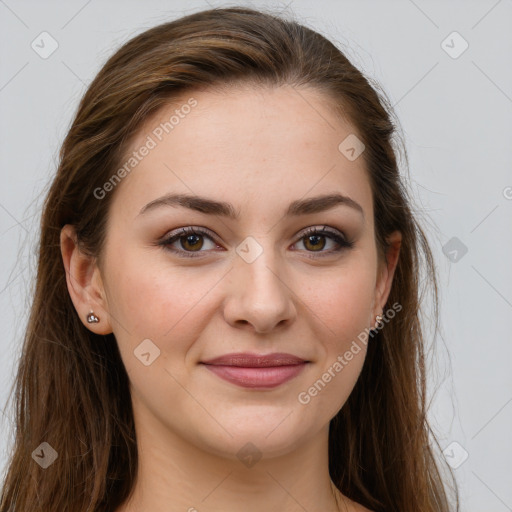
(247, 145)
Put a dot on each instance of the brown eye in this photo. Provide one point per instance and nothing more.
(314, 242)
(191, 242)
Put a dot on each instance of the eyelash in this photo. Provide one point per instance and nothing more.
(166, 242)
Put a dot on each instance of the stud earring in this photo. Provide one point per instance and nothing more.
(92, 318)
(374, 330)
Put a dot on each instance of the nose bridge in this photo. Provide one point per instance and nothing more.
(258, 294)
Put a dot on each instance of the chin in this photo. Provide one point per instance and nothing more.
(258, 437)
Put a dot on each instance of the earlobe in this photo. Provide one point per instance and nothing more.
(84, 283)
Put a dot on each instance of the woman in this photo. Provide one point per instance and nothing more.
(226, 311)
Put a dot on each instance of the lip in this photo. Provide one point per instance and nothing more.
(256, 370)
(251, 360)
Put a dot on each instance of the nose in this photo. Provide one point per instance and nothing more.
(258, 298)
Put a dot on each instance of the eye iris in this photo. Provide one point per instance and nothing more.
(315, 239)
(187, 241)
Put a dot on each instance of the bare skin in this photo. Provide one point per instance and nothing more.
(259, 150)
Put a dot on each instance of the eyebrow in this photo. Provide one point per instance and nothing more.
(211, 207)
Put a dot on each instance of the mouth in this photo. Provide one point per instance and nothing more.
(256, 370)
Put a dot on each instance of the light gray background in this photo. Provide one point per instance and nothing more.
(456, 115)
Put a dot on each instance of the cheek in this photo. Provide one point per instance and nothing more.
(342, 308)
(162, 303)
(343, 301)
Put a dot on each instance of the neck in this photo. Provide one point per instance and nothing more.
(174, 475)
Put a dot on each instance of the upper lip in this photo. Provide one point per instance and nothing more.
(250, 360)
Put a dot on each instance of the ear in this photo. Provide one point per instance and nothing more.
(84, 282)
(387, 271)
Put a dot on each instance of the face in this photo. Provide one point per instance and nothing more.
(252, 276)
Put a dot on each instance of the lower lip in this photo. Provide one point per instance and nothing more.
(269, 377)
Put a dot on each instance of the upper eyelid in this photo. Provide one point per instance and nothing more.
(205, 231)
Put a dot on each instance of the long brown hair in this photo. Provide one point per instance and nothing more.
(72, 389)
